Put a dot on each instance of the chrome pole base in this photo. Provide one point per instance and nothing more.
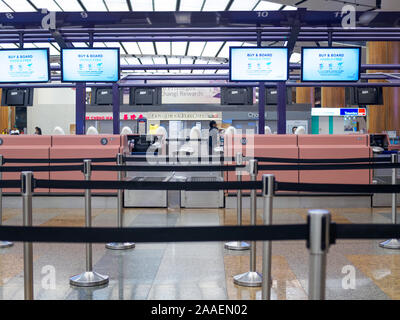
(5, 244)
(120, 245)
(88, 279)
(237, 245)
(390, 244)
(248, 279)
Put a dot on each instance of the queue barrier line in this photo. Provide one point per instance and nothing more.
(338, 188)
(202, 168)
(299, 167)
(319, 233)
(343, 160)
(153, 234)
(277, 167)
(183, 158)
(147, 185)
(205, 185)
(65, 160)
(42, 168)
(284, 232)
(181, 168)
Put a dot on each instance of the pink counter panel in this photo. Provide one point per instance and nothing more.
(25, 147)
(74, 146)
(335, 147)
(257, 145)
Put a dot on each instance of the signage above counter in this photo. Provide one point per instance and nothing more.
(156, 115)
(339, 112)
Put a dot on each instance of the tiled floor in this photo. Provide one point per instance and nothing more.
(357, 269)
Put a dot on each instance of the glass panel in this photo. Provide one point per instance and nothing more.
(50, 5)
(117, 5)
(69, 5)
(142, 5)
(213, 5)
(20, 5)
(243, 5)
(164, 5)
(94, 5)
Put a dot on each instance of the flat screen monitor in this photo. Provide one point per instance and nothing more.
(90, 65)
(330, 64)
(258, 64)
(24, 65)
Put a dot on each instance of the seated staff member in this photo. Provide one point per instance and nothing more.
(38, 131)
(14, 131)
(213, 137)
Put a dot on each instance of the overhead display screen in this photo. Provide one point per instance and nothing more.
(330, 64)
(90, 65)
(24, 65)
(258, 64)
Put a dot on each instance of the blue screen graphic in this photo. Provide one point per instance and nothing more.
(24, 66)
(90, 65)
(330, 64)
(258, 64)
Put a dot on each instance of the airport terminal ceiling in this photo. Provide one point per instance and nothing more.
(186, 47)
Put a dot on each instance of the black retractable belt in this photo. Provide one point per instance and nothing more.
(154, 234)
(283, 167)
(177, 168)
(148, 185)
(66, 160)
(338, 188)
(10, 184)
(348, 160)
(42, 168)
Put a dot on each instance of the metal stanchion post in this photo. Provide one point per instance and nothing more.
(3, 243)
(393, 243)
(268, 194)
(319, 222)
(120, 221)
(238, 245)
(26, 190)
(251, 278)
(89, 278)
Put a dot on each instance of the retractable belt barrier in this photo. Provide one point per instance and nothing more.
(42, 168)
(198, 234)
(259, 159)
(361, 166)
(181, 168)
(66, 160)
(345, 160)
(153, 234)
(205, 185)
(146, 185)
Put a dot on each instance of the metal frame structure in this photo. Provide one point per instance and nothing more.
(258, 27)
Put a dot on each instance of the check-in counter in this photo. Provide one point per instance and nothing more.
(81, 146)
(261, 145)
(334, 147)
(25, 147)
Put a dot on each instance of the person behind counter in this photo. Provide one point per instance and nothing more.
(14, 131)
(213, 137)
(38, 131)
